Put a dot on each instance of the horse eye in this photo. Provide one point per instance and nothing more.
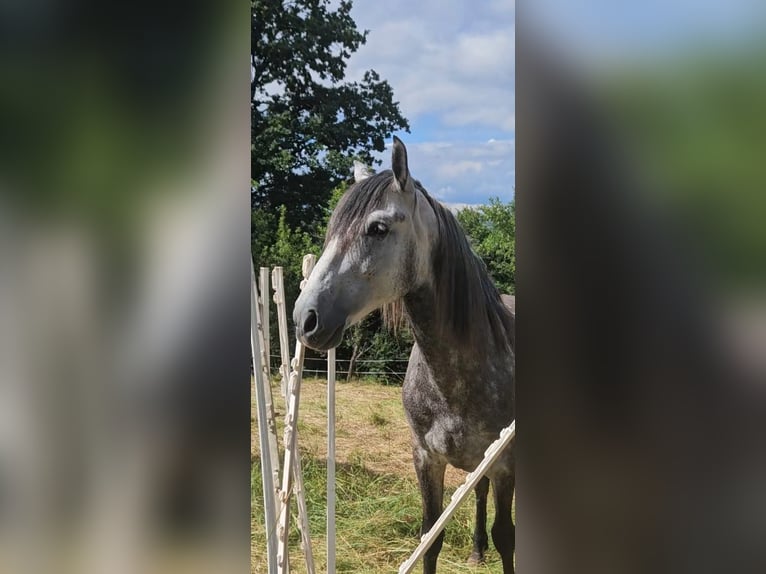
(377, 229)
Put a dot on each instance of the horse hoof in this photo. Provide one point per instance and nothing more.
(476, 559)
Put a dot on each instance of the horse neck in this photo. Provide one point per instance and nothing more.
(420, 310)
(443, 352)
(438, 319)
(460, 375)
(422, 318)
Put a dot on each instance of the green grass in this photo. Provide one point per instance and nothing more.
(377, 522)
(378, 419)
(378, 511)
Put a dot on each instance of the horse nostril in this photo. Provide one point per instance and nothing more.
(310, 323)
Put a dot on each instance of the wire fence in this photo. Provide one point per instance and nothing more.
(320, 366)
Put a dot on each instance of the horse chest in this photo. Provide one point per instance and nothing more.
(452, 418)
(453, 440)
(454, 436)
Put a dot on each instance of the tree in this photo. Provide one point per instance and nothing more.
(307, 124)
(492, 229)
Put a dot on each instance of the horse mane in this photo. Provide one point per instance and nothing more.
(469, 309)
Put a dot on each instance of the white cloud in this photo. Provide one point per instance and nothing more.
(456, 207)
(460, 168)
(462, 172)
(450, 58)
(485, 55)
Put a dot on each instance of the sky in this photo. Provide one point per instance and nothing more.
(451, 66)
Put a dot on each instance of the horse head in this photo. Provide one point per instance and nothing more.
(376, 251)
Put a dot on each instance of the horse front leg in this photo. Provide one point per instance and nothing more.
(480, 539)
(430, 474)
(503, 530)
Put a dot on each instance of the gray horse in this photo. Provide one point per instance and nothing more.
(390, 245)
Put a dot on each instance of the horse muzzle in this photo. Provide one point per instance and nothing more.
(320, 330)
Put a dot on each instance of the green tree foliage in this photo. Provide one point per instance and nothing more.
(285, 248)
(492, 230)
(370, 340)
(307, 123)
(307, 127)
(288, 249)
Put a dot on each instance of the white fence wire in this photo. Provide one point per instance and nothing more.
(399, 372)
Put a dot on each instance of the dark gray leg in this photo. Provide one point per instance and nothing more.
(480, 539)
(503, 530)
(431, 479)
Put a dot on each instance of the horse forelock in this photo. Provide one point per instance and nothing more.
(357, 203)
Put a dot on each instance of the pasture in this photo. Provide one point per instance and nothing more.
(378, 499)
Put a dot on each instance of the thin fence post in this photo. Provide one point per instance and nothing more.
(303, 516)
(271, 418)
(278, 282)
(331, 461)
(270, 510)
(292, 470)
(263, 282)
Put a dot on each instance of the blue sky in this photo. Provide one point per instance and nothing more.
(451, 66)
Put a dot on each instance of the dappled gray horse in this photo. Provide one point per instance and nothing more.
(390, 245)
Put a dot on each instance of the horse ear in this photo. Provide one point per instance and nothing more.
(361, 171)
(399, 163)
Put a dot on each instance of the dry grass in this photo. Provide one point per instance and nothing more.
(378, 501)
(369, 426)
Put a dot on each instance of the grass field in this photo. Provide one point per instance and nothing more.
(378, 508)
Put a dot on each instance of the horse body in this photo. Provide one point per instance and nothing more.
(451, 416)
(457, 400)
(390, 245)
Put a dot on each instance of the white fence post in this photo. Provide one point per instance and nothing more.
(303, 516)
(277, 280)
(490, 456)
(270, 510)
(331, 461)
(271, 419)
(291, 465)
(263, 283)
